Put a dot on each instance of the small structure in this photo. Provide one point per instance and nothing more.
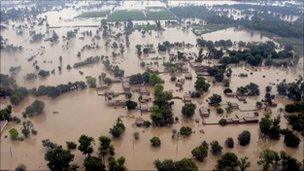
(126, 85)
(187, 98)
(232, 121)
(152, 69)
(103, 87)
(202, 73)
(230, 94)
(188, 76)
(241, 98)
(139, 122)
(204, 112)
(251, 119)
(234, 106)
(180, 82)
(144, 91)
(144, 107)
(116, 103)
(199, 67)
(145, 98)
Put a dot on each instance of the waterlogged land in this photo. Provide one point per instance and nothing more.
(74, 113)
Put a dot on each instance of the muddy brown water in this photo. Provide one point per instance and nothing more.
(84, 112)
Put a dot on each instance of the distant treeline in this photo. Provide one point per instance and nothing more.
(259, 21)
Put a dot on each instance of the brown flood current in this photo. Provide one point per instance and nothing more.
(84, 112)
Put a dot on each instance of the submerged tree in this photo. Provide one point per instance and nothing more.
(58, 158)
(117, 129)
(85, 144)
(188, 109)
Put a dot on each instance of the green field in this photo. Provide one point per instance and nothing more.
(93, 14)
(125, 15)
(159, 14)
(154, 13)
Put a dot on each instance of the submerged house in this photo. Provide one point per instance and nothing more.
(204, 112)
(125, 84)
(187, 98)
(144, 107)
(116, 103)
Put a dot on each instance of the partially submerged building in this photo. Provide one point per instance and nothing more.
(204, 112)
(116, 103)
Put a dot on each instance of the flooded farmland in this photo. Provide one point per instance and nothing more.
(73, 113)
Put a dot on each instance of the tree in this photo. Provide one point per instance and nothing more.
(216, 148)
(201, 85)
(155, 79)
(36, 107)
(58, 158)
(155, 142)
(106, 149)
(27, 128)
(215, 100)
(5, 114)
(185, 131)
(20, 167)
(289, 163)
(228, 161)
(85, 144)
(161, 111)
(71, 145)
(229, 142)
(91, 81)
(269, 158)
(131, 104)
(185, 164)
(244, 138)
(243, 163)
(222, 122)
(165, 165)
(291, 139)
(188, 109)
(219, 111)
(200, 152)
(297, 122)
(117, 165)
(13, 133)
(92, 163)
(117, 129)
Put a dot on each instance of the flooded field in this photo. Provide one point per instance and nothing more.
(84, 112)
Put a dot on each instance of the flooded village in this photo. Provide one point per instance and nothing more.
(151, 85)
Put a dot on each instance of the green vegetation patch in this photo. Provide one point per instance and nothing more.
(208, 28)
(93, 14)
(125, 15)
(159, 14)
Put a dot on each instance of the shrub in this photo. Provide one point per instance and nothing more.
(219, 111)
(244, 138)
(13, 133)
(36, 107)
(200, 152)
(222, 122)
(117, 129)
(229, 142)
(185, 131)
(216, 148)
(188, 109)
(155, 142)
(71, 145)
(291, 139)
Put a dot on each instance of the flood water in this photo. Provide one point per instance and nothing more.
(84, 112)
